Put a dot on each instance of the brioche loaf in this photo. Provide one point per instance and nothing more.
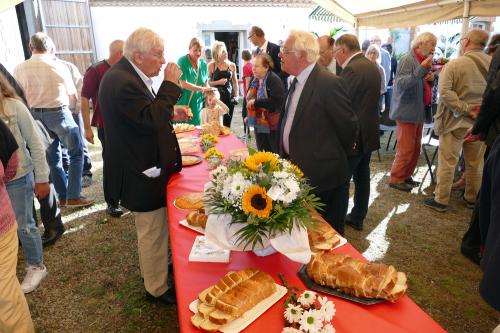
(355, 277)
(231, 297)
(322, 237)
(197, 218)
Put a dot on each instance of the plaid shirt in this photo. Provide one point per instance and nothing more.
(46, 82)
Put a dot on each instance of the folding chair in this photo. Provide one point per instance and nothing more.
(430, 140)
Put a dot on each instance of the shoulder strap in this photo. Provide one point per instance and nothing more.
(195, 83)
(482, 70)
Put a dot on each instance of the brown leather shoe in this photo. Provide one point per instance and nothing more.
(80, 202)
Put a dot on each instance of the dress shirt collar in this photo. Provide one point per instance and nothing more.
(263, 47)
(350, 58)
(304, 75)
(147, 80)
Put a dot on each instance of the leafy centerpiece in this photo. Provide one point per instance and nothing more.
(207, 141)
(214, 157)
(264, 196)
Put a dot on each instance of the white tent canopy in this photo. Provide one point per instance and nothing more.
(405, 13)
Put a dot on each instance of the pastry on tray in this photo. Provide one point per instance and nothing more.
(197, 218)
(188, 147)
(183, 127)
(188, 160)
(356, 277)
(191, 201)
(322, 237)
(231, 297)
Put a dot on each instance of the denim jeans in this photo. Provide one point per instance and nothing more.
(360, 169)
(21, 193)
(87, 162)
(61, 124)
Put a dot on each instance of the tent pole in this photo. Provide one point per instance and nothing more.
(465, 18)
(357, 28)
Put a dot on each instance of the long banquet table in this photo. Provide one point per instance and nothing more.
(193, 277)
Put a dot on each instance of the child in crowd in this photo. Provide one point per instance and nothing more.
(214, 109)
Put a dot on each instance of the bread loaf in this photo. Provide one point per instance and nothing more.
(231, 297)
(197, 218)
(322, 237)
(355, 277)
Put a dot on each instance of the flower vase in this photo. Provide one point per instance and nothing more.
(205, 146)
(266, 251)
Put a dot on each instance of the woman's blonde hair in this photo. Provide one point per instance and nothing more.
(217, 48)
(6, 91)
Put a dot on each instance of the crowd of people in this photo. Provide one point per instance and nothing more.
(317, 101)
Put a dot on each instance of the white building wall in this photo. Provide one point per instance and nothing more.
(11, 47)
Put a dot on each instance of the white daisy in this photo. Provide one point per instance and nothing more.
(293, 313)
(307, 297)
(328, 328)
(311, 321)
(327, 308)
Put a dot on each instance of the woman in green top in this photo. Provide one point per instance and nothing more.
(194, 80)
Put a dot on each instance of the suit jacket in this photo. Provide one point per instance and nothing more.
(363, 85)
(139, 135)
(323, 130)
(273, 50)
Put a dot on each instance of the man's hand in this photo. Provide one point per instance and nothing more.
(172, 72)
(429, 76)
(474, 111)
(89, 135)
(181, 113)
(469, 137)
(427, 63)
(42, 190)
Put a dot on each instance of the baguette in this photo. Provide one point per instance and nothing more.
(355, 277)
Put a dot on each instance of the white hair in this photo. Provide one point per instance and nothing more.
(423, 38)
(142, 40)
(306, 42)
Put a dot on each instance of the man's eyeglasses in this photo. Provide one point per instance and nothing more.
(251, 36)
(284, 50)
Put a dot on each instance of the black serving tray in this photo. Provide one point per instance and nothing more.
(334, 292)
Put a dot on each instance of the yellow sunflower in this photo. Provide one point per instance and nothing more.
(297, 170)
(256, 160)
(256, 201)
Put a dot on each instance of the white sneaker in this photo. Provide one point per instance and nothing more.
(34, 275)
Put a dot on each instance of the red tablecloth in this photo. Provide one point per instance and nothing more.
(193, 277)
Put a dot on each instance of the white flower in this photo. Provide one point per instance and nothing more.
(327, 308)
(307, 297)
(311, 321)
(328, 328)
(290, 330)
(217, 172)
(293, 313)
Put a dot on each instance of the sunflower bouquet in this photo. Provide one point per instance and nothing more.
(264, 195)
(207, 141)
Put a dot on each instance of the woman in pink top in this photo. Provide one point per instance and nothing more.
(247, 77)
(14, 311)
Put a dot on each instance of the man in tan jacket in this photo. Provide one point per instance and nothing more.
(461, 86)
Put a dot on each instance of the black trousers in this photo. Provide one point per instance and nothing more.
(336, 201)
(49, 211)
(360, 169)
(226, 120)
(114, 202)
(267, 141)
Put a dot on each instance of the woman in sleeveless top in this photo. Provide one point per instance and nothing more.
(222, 73)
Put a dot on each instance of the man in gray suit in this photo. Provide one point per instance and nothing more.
(317, 127)
(363, 85)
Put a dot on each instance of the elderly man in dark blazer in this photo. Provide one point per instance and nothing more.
(143, 150)
(363, 85)
(318, 127)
